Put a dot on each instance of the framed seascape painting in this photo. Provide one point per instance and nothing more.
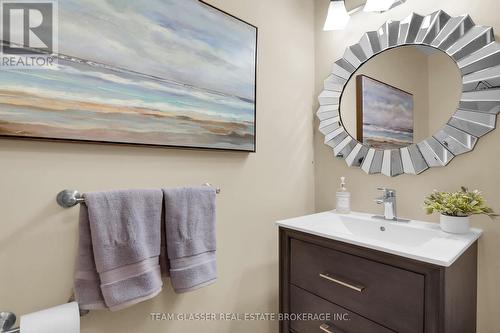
(384, 118)
(175, 73)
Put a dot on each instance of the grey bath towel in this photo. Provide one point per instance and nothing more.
(118, 259)
(190, 236)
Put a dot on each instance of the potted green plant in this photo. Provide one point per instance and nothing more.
(456, 208)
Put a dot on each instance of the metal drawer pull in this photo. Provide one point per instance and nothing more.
(352, 286)
(326, 328)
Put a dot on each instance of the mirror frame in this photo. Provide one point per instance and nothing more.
(477, 55)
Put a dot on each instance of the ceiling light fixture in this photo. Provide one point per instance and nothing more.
(337, 17)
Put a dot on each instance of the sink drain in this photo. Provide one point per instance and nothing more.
(382, 228)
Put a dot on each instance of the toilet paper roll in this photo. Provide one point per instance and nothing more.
(60, 319)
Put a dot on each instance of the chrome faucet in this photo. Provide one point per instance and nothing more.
(388, 198)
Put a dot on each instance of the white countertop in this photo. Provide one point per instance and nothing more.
(422, 241)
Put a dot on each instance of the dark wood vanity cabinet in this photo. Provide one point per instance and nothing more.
(368, 291)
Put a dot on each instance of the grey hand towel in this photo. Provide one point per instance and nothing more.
(190, 236)
(125, 240)
(87, 284)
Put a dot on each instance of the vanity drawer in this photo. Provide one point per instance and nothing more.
(344, 321)
(385, 294)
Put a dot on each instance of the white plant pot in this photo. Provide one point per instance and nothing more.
(455, 224)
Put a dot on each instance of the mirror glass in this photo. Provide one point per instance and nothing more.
(401, 96)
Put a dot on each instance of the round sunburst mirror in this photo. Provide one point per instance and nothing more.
(412, 95)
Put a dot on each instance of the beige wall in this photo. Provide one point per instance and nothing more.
(478, 169)
(38, 239)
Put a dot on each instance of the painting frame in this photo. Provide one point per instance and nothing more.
(360, 107)
(170, 146)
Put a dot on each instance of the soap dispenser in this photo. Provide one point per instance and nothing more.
(343, 198)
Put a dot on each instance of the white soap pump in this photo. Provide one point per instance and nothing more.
(343, 198)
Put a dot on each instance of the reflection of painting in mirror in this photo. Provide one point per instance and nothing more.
(384, 114)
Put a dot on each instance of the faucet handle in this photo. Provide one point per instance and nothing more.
(388, 192)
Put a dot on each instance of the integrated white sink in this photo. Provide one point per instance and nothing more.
(417, 240)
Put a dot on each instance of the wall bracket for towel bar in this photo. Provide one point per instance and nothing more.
(71, 198)
(7, 322)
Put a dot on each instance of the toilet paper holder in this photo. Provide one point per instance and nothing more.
(8, 320)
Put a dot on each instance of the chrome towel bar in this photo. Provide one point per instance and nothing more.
(71, 198)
